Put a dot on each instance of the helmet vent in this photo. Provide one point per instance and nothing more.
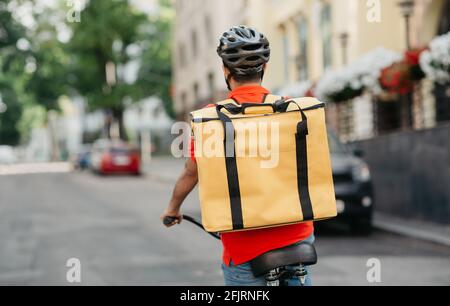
(251, 47)
(253, 58)
(231, 51)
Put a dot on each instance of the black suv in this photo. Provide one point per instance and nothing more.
(353, 186)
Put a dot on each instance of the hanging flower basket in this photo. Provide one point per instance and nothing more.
(399, 78)
(346, 94)
(412, 58)
(396, 78)
(435, 62)
(360, 76)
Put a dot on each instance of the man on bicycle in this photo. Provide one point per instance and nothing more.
(245, 53)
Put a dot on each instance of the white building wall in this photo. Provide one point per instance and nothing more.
(192, 16)
(272, 17)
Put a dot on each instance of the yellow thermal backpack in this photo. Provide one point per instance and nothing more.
(263, 165)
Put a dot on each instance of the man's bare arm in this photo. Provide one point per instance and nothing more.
(184, 185)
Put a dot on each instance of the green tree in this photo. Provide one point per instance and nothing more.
(155, 74)
(103, 43)
(12, 64)
(49, 80)
(33, 70)
(9, 118)
(111, 34)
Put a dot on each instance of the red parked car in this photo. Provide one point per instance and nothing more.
(115, 156)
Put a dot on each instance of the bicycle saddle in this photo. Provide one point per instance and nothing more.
(299, 253)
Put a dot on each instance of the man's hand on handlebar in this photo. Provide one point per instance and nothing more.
(170, 218)
(185, 183)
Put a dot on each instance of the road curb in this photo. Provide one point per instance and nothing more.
(418, 230)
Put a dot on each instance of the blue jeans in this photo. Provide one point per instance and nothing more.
(241, 275)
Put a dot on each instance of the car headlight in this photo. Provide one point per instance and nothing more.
(361, 172)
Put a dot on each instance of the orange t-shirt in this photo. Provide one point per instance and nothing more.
(244, 246)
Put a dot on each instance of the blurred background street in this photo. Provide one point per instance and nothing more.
(112, 225)
(90, 91)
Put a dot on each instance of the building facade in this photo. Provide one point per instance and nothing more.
(197, 72)
(308, 38)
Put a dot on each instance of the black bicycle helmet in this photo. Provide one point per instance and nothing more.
(244, 50)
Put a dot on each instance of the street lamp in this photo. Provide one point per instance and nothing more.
(407, 9)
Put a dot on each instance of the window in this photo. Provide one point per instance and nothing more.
(182, 54)
(208, 29)
(302, 59)
(196, 93)
(444, 22)
(211, 85)
(326, 33)
(194, 41)
(285, 53)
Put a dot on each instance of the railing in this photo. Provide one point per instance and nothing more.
(367, 116)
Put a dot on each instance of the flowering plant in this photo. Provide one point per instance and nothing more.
(396, 78)
(352, 80)
(412, 58)
(435, 62)
(400, 76)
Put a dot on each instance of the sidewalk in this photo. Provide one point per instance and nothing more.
(414, 228)
(167, 169)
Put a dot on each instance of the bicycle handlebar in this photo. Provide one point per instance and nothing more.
(169, 220)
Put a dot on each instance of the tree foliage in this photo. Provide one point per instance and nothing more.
(49, 79)
(123, 37)
(12, 63)
(111, 33)
(109, 29)
(155, 74)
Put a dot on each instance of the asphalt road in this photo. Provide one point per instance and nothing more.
(111, 224)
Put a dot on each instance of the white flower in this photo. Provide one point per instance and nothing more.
(435, 62)
(363, 73)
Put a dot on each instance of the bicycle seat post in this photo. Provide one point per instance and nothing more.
(301, 273)
(273, 278)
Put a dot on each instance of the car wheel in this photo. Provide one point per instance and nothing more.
(361, 226)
